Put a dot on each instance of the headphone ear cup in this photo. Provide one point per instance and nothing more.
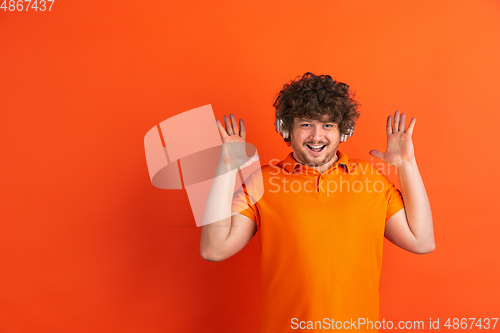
(344, 137)
(279, 128)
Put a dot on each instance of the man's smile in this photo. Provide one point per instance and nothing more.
(316, 149)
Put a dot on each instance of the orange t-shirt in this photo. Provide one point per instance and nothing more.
(321, 238)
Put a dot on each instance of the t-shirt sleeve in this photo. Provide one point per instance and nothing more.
(243, 202)
(394, 199)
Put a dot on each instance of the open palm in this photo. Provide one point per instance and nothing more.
(233, 150)
(399, 141)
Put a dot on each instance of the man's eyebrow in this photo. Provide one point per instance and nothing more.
(310, 120)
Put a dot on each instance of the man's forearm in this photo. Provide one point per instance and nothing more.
(217, 214)
(417, 206)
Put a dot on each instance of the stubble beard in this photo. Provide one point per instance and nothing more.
(305, 158)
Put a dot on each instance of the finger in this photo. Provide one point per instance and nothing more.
(222, 131)
(229, 128)
(402, 121)
(396, 121)
(243, 131)
(411, 126)
(234, 122)
(389, 125)
(377, 154)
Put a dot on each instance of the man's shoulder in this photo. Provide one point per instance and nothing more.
(361, 166)
(271, 169)
(257, 174)
(356, 163)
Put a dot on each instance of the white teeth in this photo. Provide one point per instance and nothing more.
(316, 146)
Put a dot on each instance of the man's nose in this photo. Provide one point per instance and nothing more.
(318, 133)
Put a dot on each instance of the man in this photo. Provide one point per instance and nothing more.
(322, 216)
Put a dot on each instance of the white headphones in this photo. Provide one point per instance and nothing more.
(284, 134)
(279, 128)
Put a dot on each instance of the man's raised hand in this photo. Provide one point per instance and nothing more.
(399, 141)
(233, 150)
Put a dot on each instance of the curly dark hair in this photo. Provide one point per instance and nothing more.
(314, 96)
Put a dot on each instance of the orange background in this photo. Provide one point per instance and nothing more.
(87, 244)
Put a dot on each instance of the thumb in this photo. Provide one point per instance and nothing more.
(377, 154)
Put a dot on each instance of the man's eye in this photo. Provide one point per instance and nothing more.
(306, 124)
(328, 125)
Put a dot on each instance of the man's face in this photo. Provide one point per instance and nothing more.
(307, 134)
